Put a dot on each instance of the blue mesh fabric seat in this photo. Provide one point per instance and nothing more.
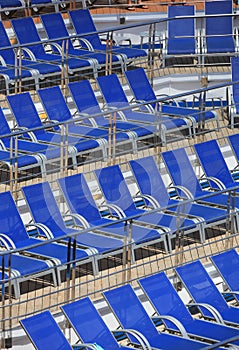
(83, 24)
(10, 3)
(80, 314)
(234, 143)
(203, 291)
(167, 302)
(27, 117)
(27, 34)
(131, 315)
(143, 91)
(43, 330)
(117, 194)
(44, 210)
(115, 97)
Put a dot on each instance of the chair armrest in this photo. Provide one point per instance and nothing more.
(184, 190)
(2, 146)
(7, 242)
(80, 218)
(29, 133)
(218, 182)
(43, 228)
(29, 53)
(154, 203)
(2, 61)
(139, 336)
(214, 312)
(84, 345)
(55, 46)
(87, 43)
(148, 107)
(176, 322)
(118, 211)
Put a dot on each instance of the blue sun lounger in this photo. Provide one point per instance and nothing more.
(15, 236)
(167, 302)
(80, 314)
(233, 100)
(143, 91)
(115, 98)
(53, 226)
(27, 34)
(118, 198)
(203, 291)
(131, 315)
(43, 331)
(215, 166)
(85, 212)
(26, 115)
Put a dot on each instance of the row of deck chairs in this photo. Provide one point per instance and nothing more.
(38, 64)
(138, 322)
(216, 38)
(128, 129)
(104, 235)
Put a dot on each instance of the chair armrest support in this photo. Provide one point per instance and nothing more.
(139, 336)
(80, 218)
(218, 182)
(176, 322)
(7, 241)
(43, 228)
(119, 212)
(153, 202)
(214, 312)
(184, 190)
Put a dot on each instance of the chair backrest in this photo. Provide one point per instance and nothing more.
(140, 85)
(8, 55)
(24, 110)
(83, 24)
(55, 104)
(27, 33)
(200, 286)
(10, 219)
(181, 27)
(85, 99)
(181, 170)
(235, 78)
(43, 331)
(44, 208)
(165, 299)
(149, 180)
(4, 127)
(112, 91)
(88, 324)
(55, 27)
(114, 187)
(129, 311)
(213, 162)
(234, 142)
(79, 197)
(227, 264)
(219, 25)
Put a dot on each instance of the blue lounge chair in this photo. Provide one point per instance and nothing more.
(219, 36)
(55, 28)
(181, 40)
(143, 91)
(15, 236)
(233, 101)
(82, 312)
(84, 24)
(58, 110)
(38, 70)
(115, 97)
(187, 185)
(234, 143)
(167, 302)
(86, 103)
(203, 291)
(131, 315)
(215, 166)
(85, 212)
(26, 114)
(27, 35)
(227, 264)
(53, 225)
(117, 196)
(43, 331)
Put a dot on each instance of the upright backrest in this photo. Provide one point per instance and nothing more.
(8, 55)
(24, 110)
(181, 27)
(27, 33)
(227, 264)
(200, 286)
(140, 85)
(112, 90)
(88, 324)
(114, 187)
(181, 170)
(129, 311)
(85, 99)
(44, 208)
(165, 299)
(55, 27)
(235, 78)
(219, 25)
(83, 24)
(79, 197)
(213, 162)
(43, 331)
(149, 180)
(55, 104)
(10, 219)
(4, 127)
